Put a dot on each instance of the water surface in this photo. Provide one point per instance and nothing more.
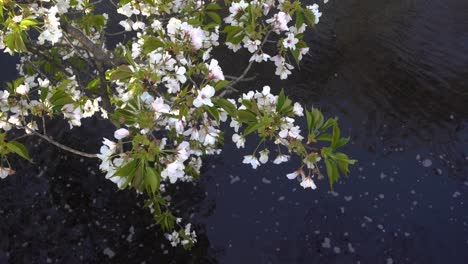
(394, 72)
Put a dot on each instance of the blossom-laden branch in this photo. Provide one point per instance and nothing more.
(30, 131)
(98, 53)
(164, 89)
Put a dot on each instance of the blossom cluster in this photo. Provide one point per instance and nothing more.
(163, 89)
(277, 17)
(281, 130)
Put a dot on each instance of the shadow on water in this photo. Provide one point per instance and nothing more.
(393, 71)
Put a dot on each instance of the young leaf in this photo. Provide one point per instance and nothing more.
(335, 135)
(309, 17)
(332, 171)
(281, 100)
(221, 84)
(128, 169)
(214, 112)
(60, 98)
(152, 43)
(213, 6)
(152, 179)
(18, 148)
(229, 107)
(215, 17)
(246, 116)
(122, 72)
(251, 128)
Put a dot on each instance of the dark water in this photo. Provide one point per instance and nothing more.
(394, 72)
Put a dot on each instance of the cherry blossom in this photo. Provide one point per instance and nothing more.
(204, 96)
(252, 160)
(121, 133)
(215, 72)
(307, 182)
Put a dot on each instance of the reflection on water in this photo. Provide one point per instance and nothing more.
(394, 72)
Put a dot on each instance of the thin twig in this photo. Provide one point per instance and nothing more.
(116, 33)
(61, 146)
(53, 142)
(231, 88)
(246, 79)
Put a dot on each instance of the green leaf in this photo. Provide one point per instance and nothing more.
(215, 17)
(281, 100)
(152, 179)
(60, 98)
(44, 93)
(309, 119)
(343, 162)
(14, 41)
(245, 116)
(324, 137)
(251, 128)
(123, 116)
(299, 19)
(332, 171)
(233, 34)
(342, 142)
(123, 72)
(296, 53)
(309, 17)
(214, 112)
(138, 177)
(166, 220)
(221, 84)
(18, 148)
(287, 106)
(229, 107)
(94, 84)
(90, 21)
(213, 6)
(128, 169)
(27, 22)
(330, 122)
(335, 135)
(317, 118)
(1, 10)
(152, 43)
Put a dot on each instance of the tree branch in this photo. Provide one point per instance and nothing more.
(98, 53)
(53, 142)
(231, 88)
(61, 146)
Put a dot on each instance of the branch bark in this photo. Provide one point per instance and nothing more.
(98, 53)
(53, 142)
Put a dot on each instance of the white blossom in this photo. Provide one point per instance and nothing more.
(4, 172)
(204, 96)
(290, 42)
(215, 73)
(281, 158)
(239, 140)
(160, 107)
(292, 175)
(252, 160)
(173, 171)
(121, 133)
(298, 110)
(307, 182)
(264, 156)
(315, 9)
(252, 45)
(22, 89)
